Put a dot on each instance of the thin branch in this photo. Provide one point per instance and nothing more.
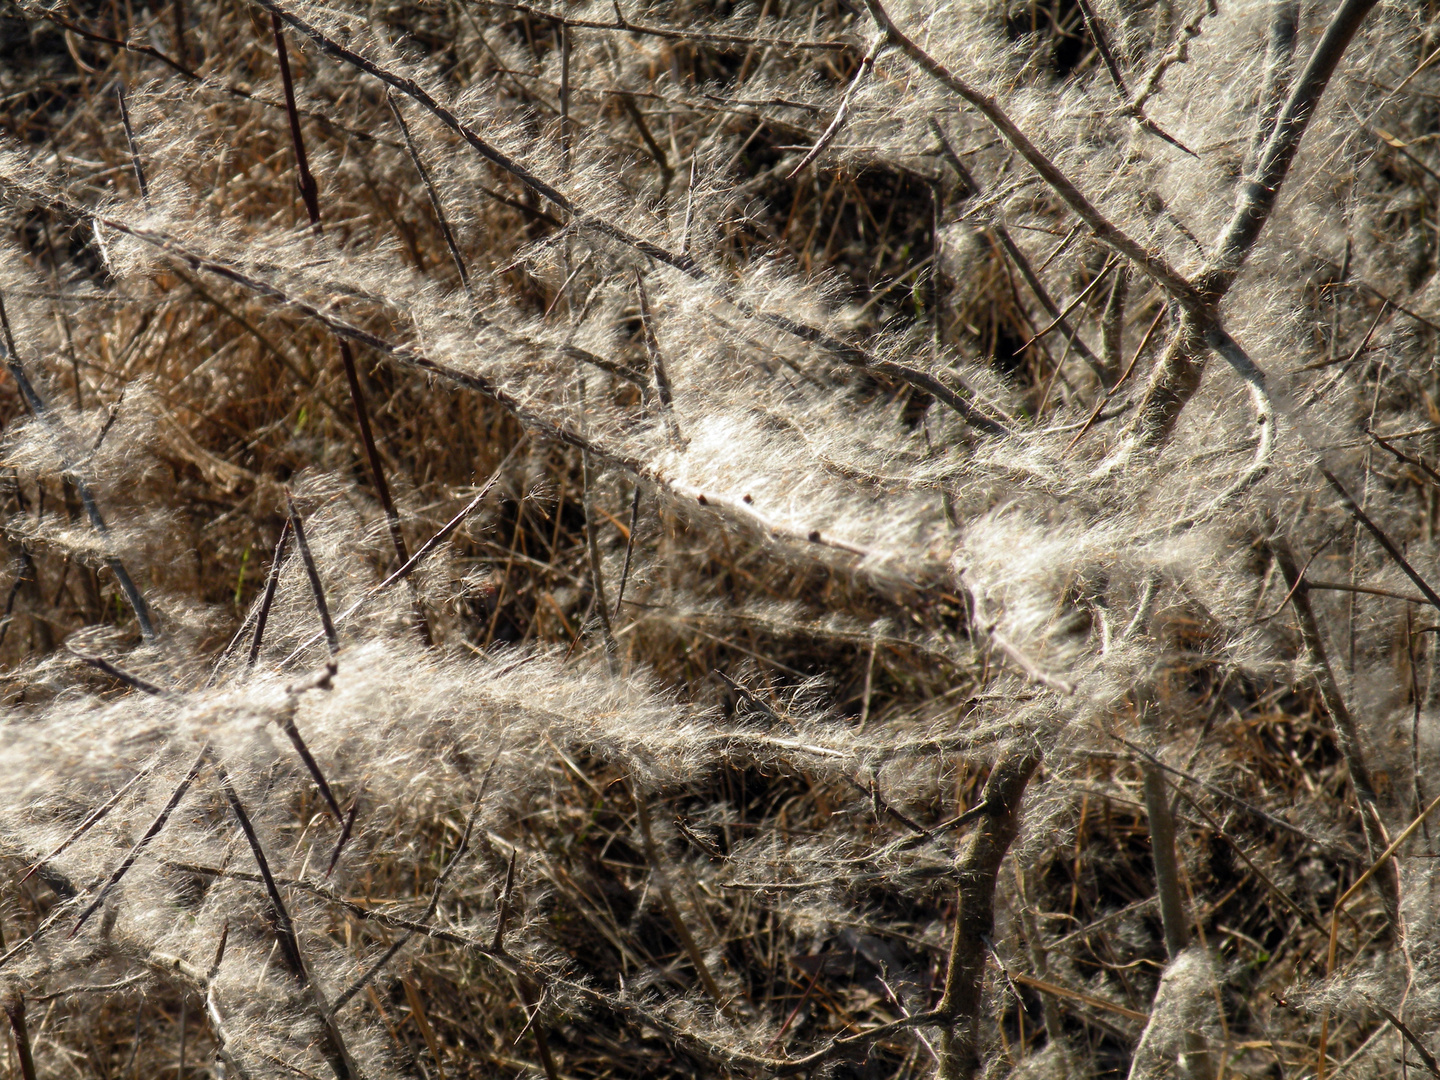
(135, 161)
(272, 579)
(973, 188)
(430, 190)
(1106, 231)
(309, 192)
(41, 412)
(867, 65)
(316, 587)
(1379, 534)
(672, 911)
(1347, 736)
(13, 1002)
(134, 853)
(332, 1044)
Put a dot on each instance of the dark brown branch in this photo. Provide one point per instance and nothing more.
(13, 1002)
(140, 845)
(430, 190)
(1022, 262)
(978, 869)
(316, 587)
(1379, 534)
(272, 579)
(1347, 736)
(135, 162)
(332, 1045)
(623, 24)
(309, 192)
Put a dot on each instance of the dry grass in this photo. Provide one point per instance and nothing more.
(764, 670)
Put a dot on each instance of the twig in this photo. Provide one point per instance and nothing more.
(309, 193)
(430, 190)
(271, 581)
(1379, 534)
(91, 820)
(41, 412)
(867, 65)
(629, 550)
(140, 845)
(1106, 231)
(846, 352)
(1017, 255)
(316, 587)
(1347, 737)
(332, 1044)
(135, 161)
(663, 389)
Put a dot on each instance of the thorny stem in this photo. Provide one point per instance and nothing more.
(407, 356)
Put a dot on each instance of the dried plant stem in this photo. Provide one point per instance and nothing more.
(13, 1002)
(135, 161)
(843, 350)
(332, 1044)
(1380, 535)
(317, 588)
(134, 853)
(672, 912)
(272, 579)
(1017, 255)
(867, 65)
(41, 412)
(978, 870)
(1105, 230)
(1347, 736)
(661, 378)
(91, 820)
(1174, 917)
(430, 190)
(310, 194)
